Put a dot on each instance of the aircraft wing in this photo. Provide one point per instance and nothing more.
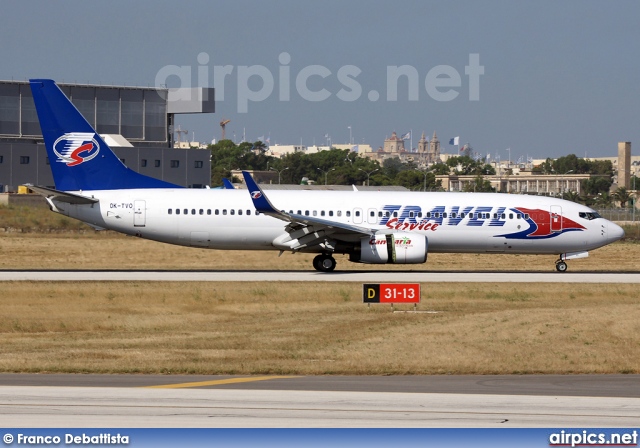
(62, 196)
(305, 230)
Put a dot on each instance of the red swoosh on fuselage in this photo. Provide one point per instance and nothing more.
(542, 219)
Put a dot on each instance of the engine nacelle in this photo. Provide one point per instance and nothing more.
(398, 248)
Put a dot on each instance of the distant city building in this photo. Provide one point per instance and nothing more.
(393, 148)
(523, 182)
(624, 164)
(393, 144)
(361, 148)
(429, 151)
(278, 151)
(316, 149)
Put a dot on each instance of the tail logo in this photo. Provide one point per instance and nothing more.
(76, 148)
(256, 195)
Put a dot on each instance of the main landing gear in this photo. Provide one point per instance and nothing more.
(324, 263)
(561, 266)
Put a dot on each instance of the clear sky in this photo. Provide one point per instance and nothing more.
(558, 77)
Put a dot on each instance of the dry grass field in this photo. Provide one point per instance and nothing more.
(312, 328)
(109, 250)
(302, 328)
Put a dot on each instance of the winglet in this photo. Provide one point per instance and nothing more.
(227, 184)
(260, 201)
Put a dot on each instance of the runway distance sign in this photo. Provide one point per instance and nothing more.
(391, 292)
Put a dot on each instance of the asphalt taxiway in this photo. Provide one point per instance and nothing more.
(28, 400)
(312, 276)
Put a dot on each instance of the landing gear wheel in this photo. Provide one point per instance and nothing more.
(561, 266)
(316, 262)
(324, 263)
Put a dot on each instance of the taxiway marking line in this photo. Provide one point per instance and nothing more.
(216, 382)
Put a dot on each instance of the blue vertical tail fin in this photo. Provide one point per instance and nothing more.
(79, 158)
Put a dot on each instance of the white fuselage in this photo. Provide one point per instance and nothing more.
(452, 222)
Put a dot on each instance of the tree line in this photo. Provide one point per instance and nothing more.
(343, 167)
(335, 167)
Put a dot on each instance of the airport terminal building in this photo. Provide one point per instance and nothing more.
(136, 122)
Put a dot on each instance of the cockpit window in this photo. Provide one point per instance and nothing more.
(589, 215)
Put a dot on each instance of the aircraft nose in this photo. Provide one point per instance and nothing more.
(615, 232)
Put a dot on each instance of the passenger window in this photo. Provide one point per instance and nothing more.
(240, 212)
(387, 214)
(339, 213)
(519, 216)
(177, 211)
(379, 214)
(526, 216)
(232, 212)
(224, 211)
(193, 211)
(411, 215)
(419, 214)
(461, 215)
(330, 212)
(201, 212)
(315, 213)
(502, 216)
(357, 212)
(248, 212)
(322, 213)
(395, 214)
(186, 211)
(348, 213)
(372, 214)
(495, 216)
(444, 215)
(428, 214)
(170, 211)
(510, 215)
(208, 211)
(217, 212)
(299, 212)
(306, 213)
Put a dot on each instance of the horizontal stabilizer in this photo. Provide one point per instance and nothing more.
(61, 196)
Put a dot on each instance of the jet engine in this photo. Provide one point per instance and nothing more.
(398, 248)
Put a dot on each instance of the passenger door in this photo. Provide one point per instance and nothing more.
(556, 218)
(139, 213)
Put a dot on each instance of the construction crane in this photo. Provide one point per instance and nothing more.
(180, 131)
(223, 123)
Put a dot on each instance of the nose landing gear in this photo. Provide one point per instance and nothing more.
(561, 266)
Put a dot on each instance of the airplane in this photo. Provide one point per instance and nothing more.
(94, 186)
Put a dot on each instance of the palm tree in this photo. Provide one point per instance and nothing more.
(572, 196)
(260, 146)
(622, 195)
(603, 199)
